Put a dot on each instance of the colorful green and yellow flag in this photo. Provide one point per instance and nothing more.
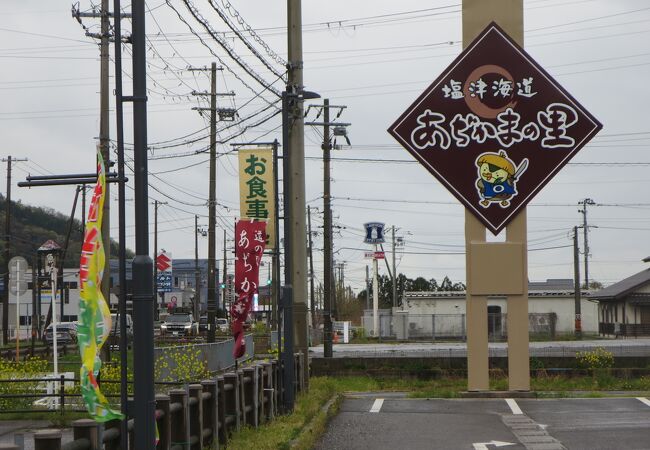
(94, 316)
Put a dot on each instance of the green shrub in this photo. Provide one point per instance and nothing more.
(260, 328)
(536, 364)
(595, 359)
(32, 367)
(181, 364)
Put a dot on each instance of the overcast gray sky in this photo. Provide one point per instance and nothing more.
(375, 57)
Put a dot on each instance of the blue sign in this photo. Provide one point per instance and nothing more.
(164, 281)
(374, 233)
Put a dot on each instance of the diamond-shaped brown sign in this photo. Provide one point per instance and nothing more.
(494, 128)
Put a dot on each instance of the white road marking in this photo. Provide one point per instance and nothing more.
(644, 400)
(485, 445)
(514, 407)
(376, 407)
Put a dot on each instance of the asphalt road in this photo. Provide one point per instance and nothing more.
(380, 421)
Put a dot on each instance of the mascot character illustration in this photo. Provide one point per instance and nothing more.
(497, 175)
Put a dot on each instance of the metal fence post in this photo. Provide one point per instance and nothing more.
(210, 418)
(164, 422)
(179, 428)
(47, 440)
(86, 429)
(62, 394)
(196, 415)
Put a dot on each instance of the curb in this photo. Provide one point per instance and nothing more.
(327, 411)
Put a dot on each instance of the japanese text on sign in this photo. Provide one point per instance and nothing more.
(256, 188)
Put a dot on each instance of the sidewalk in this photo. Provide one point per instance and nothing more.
(619, 347)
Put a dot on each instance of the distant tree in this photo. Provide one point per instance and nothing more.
(459, 286)
(348, 306)
(446, 285)
(433, 285)
(421, 284)
(595, 285)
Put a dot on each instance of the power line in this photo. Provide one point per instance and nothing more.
(246, 42)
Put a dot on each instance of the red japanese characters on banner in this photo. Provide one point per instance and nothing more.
(250, 240)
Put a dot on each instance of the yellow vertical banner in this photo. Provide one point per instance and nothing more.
(256, 188)
(94, 323)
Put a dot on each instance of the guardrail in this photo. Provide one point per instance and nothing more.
(200, 415)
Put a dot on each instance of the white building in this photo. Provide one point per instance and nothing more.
(68, 312)
(551, 307)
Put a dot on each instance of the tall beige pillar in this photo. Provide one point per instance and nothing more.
(483, 278)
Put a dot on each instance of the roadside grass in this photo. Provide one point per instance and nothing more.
(279, 433)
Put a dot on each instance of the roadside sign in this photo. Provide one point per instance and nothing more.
(494, 128)
(17, 275)
(374, 255)
(374, 233)
(164, 281)
(164, 262)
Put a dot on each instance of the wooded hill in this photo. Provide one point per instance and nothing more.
(31, 226)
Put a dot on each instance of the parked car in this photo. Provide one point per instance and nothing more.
(66, 333)
(179, 324)
(203, 324)
(223, 325)
(115, 327)
(114, 337)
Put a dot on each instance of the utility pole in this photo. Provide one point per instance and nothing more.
(5, 300)
(104, 107)
(328, 300)
(212, 199)
(327, 234)
(276, 254)
(576, 285)
(585, 230)
(367, 287)
(225, 274)
(197, 273)
(311, 269)
(143, 401)
(342, 275)
(297, 255)
(83, 211)
(104, 139)
(375, 296)
(394, 272)
(156, 204)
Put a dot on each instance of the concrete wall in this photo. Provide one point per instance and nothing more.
(562, 306)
